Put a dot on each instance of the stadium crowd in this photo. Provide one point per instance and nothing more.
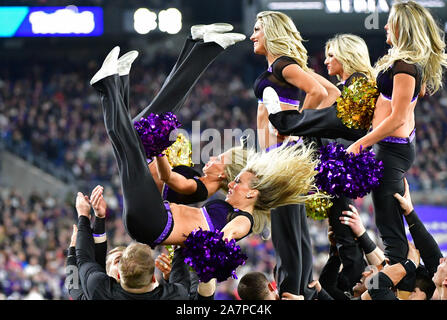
(54, 116)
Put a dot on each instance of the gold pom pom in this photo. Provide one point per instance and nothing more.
(180, 152)
(171, 250)
(317, 208)
(356, 105)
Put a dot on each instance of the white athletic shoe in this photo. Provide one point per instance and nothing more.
(223, 39)
(125, 62)
(109, 66)
(199, 30)
(270, 100)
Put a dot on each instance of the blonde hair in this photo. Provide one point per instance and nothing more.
(136, 266)
(282, 38)
(239, 157)
(420, 40)
(282, 176)
(352, 52)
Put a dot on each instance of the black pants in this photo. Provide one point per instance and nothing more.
(349, 250)
(192, 62)
(144, 214)
(293, 248)
(318, 123)
(397, 160)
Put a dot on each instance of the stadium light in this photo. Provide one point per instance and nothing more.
(144, 20)
(170, 21)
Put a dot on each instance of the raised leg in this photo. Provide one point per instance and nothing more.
(319, 123)
(144, 214)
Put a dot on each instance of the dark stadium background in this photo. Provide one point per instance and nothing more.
(52, 140)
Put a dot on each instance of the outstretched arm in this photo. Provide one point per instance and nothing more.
(73, 282)
(423, 240)
(99, 206)
(92, 276)
(390, 276)
(374, 254)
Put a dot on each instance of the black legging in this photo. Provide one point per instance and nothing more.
(317, 123)
(349, 250)
(145, 216)
(293, 248)
(324, 123)
(192, 62)
(397, 160)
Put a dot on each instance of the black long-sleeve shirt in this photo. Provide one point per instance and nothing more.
(329, 276)
(384, 285)
(75, 288)
(98, 285)
(424, 242)
(193, 291)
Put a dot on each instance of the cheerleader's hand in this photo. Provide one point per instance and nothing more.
(354, 148)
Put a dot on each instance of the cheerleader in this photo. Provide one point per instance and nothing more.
(183, 184)
(347, 58)
(413, 66)
(149, 219)
(276, 37)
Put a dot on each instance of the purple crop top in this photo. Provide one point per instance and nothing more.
(219, 212)
(272, 77)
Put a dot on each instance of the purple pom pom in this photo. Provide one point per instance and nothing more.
(345, 174)
(211, 256)
(154, 132)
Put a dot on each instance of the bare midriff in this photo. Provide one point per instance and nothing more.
(383, 111)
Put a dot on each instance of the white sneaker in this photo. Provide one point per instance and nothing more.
(270, 100)
(223, 39)
(125, 62)
(109, 66)
(199, 30)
